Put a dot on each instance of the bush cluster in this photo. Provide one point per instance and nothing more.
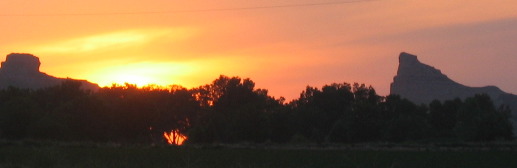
(232, 110)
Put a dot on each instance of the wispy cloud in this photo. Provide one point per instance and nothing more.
(113, 40)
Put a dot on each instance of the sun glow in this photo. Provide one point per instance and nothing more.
(142, 74)
(174, 137)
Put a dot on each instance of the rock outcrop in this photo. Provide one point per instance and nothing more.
(22, 71)
(421, 83)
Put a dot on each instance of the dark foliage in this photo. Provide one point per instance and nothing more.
(232, 110)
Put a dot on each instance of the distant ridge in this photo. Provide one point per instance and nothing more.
(422, 83)
(22, 70)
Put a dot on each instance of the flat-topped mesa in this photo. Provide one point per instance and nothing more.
(22, 71)
(20, 64)
(410, 67)
(421, 83)
(405, 57)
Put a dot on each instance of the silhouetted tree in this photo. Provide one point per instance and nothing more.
(478, 120)
(234, 111)
(367, 120)
(18, 110)
(317, 111)
(443, 117)
(405, 121)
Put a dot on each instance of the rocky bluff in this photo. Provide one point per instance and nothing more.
(22, 71)
(422, 83)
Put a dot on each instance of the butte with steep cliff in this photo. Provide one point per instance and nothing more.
(22, 71)
(421, 83)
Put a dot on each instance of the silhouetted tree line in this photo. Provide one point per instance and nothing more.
(232, 110)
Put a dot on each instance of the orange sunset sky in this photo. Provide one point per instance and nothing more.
(282, 45)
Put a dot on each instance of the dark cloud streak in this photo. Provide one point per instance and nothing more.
(192, 10)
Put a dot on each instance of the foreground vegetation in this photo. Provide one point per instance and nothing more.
(38, 154)
(231, 110)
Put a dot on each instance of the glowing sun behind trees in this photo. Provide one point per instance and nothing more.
(174, 137)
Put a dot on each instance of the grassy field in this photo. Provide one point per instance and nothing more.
(79, 155)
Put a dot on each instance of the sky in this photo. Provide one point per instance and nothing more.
(282, 45)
